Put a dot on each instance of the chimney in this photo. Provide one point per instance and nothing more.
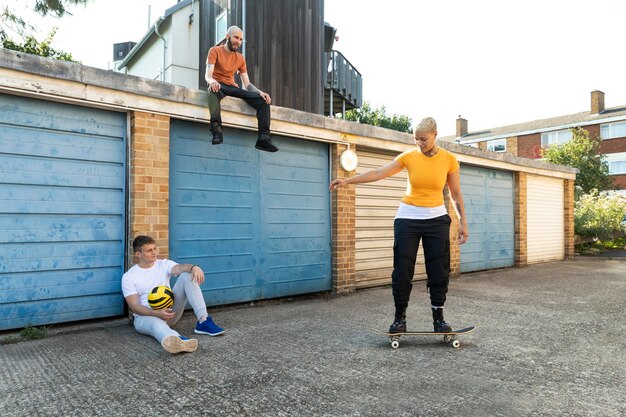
(461, 127)
(597, 102)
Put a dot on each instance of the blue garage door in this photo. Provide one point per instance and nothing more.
(61, 212)
(488, 196)
(257, 223)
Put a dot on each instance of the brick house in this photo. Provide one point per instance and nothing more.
(607, 125)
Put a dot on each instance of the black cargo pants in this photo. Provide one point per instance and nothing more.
(435, 236)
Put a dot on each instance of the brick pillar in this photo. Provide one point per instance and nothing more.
(455, 247)
(521, 219)
(343, 227)
(568, 210)
(149, 179)
(511, 146)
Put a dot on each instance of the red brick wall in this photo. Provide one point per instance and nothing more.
(528, 146)
(613, 145)
(619, 182)
(594, 131)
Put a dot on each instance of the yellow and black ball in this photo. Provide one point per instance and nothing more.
(161, 297)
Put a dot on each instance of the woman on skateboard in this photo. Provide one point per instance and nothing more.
(422, 215)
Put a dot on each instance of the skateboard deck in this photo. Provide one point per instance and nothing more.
(448, 337)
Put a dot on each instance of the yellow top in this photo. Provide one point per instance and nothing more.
(427, 176)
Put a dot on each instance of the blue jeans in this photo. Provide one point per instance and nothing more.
(435, 235)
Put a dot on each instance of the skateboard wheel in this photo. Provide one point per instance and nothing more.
(395, 344)
(448, 338)
(456, 344)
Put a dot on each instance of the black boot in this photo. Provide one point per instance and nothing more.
(264, 143)
(399, 321)
(218, 137)
(439, 323)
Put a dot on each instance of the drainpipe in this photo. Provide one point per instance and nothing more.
(156, 30)
(243, 26)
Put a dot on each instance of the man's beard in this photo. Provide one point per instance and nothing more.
(230, 45)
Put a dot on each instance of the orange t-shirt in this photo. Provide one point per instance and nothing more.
(427, 176)
(226, 64)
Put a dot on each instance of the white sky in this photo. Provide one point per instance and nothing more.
(495, 62)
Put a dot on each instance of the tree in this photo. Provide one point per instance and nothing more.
(32, 46)
(600, 216)
(10, 22)
(379, 117)
(582, 152)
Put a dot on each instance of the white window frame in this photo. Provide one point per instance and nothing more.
(218, 18)
(605, 130)
(556, 137)
(612, 159)
(493, 145)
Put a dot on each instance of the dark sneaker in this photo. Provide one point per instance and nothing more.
(398, 326)
(177, 344)
(441, 327)
(439, 323)
(264, 143)
(218, 138)
(208, 327)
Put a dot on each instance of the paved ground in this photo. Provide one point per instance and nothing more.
(550, 342)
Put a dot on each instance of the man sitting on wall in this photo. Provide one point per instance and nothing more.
(151, 272)
(223, 61)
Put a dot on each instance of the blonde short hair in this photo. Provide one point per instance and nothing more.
(428, 124)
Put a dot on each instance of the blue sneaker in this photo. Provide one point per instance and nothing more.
(208, 327)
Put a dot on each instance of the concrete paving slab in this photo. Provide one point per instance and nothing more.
(549, 343)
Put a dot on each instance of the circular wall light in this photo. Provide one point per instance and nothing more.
(348, 160)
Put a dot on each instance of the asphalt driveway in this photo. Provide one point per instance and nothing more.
(549, 342)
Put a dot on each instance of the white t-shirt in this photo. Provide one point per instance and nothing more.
(408, 211)
(141, 281)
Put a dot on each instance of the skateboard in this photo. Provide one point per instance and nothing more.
(448, 337)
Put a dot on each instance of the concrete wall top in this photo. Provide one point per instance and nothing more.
(31, 75)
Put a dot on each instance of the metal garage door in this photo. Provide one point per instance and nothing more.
(489, 206)
(62, 179)
(376, 206)
(545, 222)
(258, 223)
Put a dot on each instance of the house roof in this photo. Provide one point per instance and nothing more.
(152, 31)
(543, 125)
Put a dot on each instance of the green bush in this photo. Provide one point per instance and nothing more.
(600, 216)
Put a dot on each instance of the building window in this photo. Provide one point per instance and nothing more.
(617, 167)
(613, 130)
(558, 137)
(221, 26)
(617, 163)
(498, 145)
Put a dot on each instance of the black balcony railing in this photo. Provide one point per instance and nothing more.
(344, 86)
